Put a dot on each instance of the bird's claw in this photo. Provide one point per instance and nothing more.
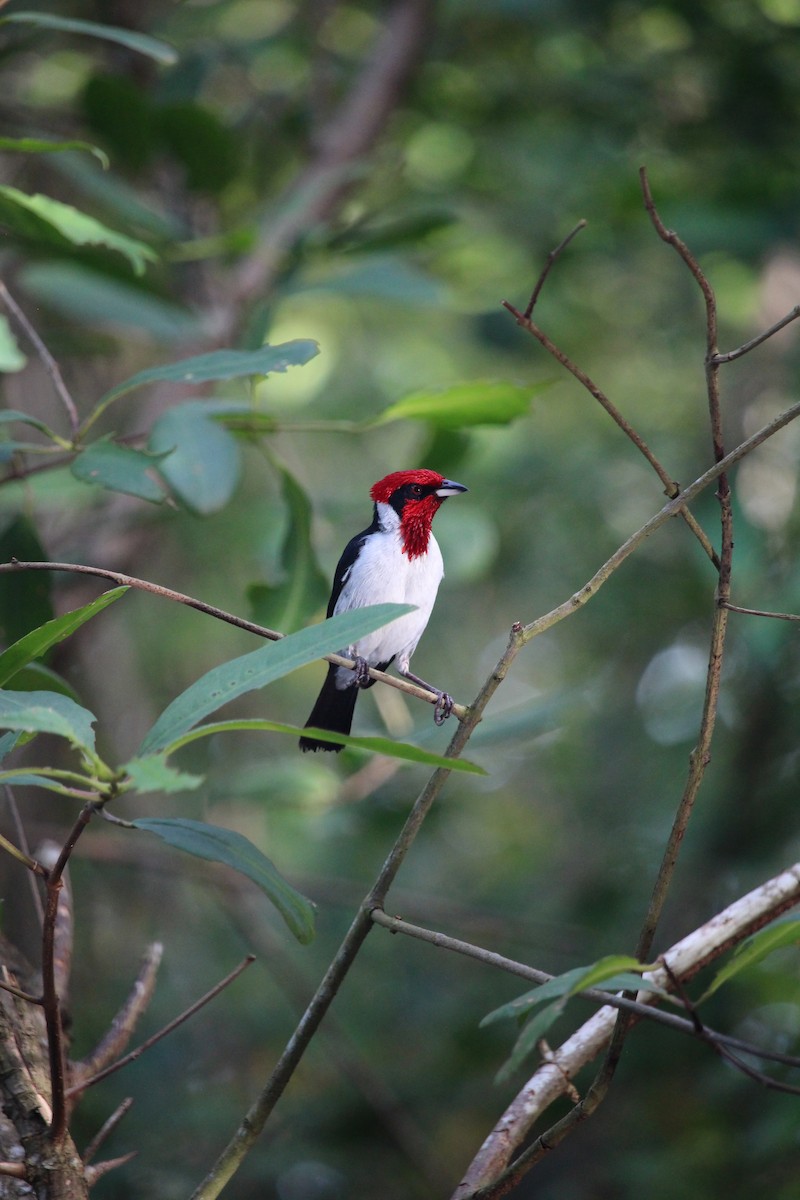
(443, 708)
(361, 676)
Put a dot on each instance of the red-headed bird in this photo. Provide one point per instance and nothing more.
(397, 559)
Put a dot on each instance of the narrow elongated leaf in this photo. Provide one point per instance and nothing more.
(45, 146)
(11, 357)
(305, 587)
(780, 933)
(226, 846)
(263, 666)
(140, 42)
(37, 216)
(47, 712)
(375, 745)
(8, 742)
(35, 677)
(219, 365)
(529, 1038)
(84, 295)
(25, 599)
(481, 403)
(38, 641)
(120, 469)
(11, 415)
(615, 972)
(200, 460)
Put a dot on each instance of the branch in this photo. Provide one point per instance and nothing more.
(51, 1001)
(670, 486)
(257, 1115)
(156, 589)
(732, 355)
(490, 1169)
(123, 1024)
(163, 1032)
(49, 363)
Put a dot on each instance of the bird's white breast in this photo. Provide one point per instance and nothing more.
(382, 573)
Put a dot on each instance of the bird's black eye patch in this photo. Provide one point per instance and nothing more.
(409, 491)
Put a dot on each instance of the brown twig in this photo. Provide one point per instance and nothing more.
(156, 589)
(51, 1002)
(123, 1024)
(732, 355)
(551, 258)
(22, 838)
(164, 1031)
(671, 488)
(758, 612)
(49, 363)
(106, 1129)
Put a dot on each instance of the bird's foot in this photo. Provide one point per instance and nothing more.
(443, 708)
(361, 676)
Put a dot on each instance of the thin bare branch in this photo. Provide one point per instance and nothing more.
(165, 1031)
(551, 259)
(732, 355)
(671, 488)
(93, 1174)
(106, 1129)
(122, 1026)
(156, 589)
(51, 1001)
(49, 363)
(758, 612)
(22, 838)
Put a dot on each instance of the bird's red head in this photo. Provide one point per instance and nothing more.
(416, 497)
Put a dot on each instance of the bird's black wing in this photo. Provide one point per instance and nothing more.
(345, 563)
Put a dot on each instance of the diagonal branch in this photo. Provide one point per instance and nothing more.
(492, 1172)
(350, 134)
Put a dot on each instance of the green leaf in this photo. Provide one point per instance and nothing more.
(529, 1039)
(154, 774)
(260, 667)
(140, 42)
(201, 461)
(560, 987)
(305, 587)
(40, 216)
(777, 935)
(24, 596)
(38, 641)
(47, 712)
(81, 294)
(231, 848)
(220, 364)
(615, 972)
(464, 404)
(11, 415)
(377, 277)
(8, 742)
(374, 745)
(120, 469)
(11, 357)
(42, 146)
(35, 677)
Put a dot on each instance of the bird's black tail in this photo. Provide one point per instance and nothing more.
(333, 710)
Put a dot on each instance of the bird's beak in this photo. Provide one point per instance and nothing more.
(450, 488)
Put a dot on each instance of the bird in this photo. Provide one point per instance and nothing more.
(395, 559)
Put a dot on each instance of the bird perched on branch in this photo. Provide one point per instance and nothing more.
(397, 559)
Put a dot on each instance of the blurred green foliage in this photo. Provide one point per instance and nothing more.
(517, 119)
